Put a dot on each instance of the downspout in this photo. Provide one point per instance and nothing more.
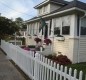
(80, 35)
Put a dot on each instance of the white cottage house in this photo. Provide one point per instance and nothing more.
(63, 18)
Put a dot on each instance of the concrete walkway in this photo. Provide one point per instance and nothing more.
(7, 70)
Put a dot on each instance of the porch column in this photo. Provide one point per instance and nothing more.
(27, 30)
(37, 28)
(73, 28)
(52, 28)
(48, 28)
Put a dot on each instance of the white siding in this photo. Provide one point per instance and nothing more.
(61, 46)
(75, 48)
(54, 7)
(47, 9)
(44, 10)
(69, 46)
(82, 50)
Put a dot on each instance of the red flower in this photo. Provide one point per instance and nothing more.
(47, 41)
(37, 40)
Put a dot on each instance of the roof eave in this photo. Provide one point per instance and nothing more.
(42, 3)
(67, 10)
(45, 2)
(58, 3)
(57, 13)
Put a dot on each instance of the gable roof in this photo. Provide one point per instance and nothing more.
(59, 2)
(75, 3)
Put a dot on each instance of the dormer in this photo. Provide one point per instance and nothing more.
(48, 6)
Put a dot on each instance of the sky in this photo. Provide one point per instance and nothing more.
(20, 8)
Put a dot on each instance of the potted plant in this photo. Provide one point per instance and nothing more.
(47, 41)
(60, 38)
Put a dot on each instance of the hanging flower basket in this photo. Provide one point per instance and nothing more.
(47, 41)
(37, 40)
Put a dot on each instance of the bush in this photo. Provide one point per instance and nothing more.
(61, 59)
(47, 41)
(37, 40)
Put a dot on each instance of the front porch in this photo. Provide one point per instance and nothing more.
(64, 32)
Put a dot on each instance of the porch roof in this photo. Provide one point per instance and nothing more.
(73, 5)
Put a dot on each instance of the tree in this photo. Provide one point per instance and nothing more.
(7, 27)
(20, 22)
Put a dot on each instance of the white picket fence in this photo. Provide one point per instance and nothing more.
(36, 66)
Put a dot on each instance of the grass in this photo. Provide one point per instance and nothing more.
(79, 67)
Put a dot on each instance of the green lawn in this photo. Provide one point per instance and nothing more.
(79, 67)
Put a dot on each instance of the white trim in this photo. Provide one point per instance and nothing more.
(48, 22)
(74, 8)
(42, 3)
(64, 11)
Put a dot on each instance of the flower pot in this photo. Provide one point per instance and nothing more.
(60, 38)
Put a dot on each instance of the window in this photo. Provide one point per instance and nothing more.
(66, 25)
(32, 29)
(44, 9)
(83, 30)
(57, 26)
(66, 30)
(83, 26)
(57, 30)
(29, 28)
(39, 11)
(35, 27)
(36, 30)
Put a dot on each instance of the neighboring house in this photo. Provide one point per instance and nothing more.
(63, 18)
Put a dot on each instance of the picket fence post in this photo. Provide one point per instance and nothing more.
(35, 66)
